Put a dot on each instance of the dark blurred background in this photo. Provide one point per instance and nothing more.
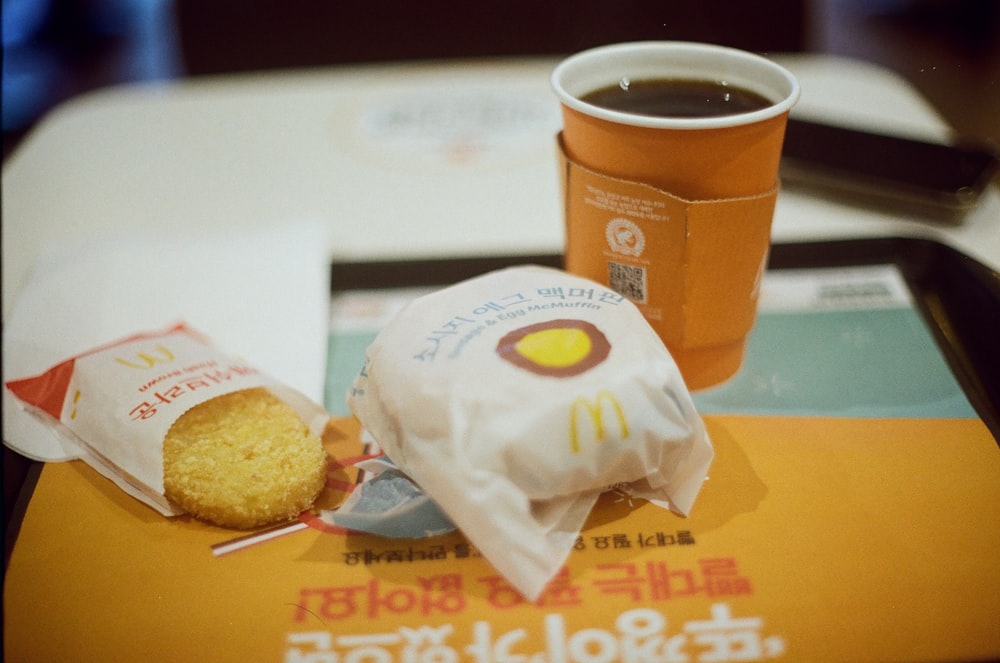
(55, 49)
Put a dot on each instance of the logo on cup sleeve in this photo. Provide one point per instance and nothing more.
(625, 237)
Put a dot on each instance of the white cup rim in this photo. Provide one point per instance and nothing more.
(589, 70)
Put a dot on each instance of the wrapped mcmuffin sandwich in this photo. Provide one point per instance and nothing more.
(514, 399)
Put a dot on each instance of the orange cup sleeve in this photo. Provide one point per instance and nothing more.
(692, 266)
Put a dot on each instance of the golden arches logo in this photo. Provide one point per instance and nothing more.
(163, 355)
(595, 410)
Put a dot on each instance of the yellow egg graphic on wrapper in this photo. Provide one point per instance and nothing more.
(556, 348)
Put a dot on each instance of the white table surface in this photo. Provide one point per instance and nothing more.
(475, 174)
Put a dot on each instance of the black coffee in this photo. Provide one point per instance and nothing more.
(670, 97)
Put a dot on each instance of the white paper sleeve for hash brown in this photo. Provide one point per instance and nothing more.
(120, 400)
(517, 456)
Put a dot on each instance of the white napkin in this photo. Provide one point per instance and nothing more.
(262, 295)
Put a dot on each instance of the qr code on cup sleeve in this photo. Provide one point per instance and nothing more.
(628, 280)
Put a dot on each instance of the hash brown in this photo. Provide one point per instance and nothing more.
(243, 460)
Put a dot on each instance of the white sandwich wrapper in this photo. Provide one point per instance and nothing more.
(516, 398)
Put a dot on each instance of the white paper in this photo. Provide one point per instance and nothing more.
(118, 402)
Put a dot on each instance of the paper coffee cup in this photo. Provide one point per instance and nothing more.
(675, 212)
